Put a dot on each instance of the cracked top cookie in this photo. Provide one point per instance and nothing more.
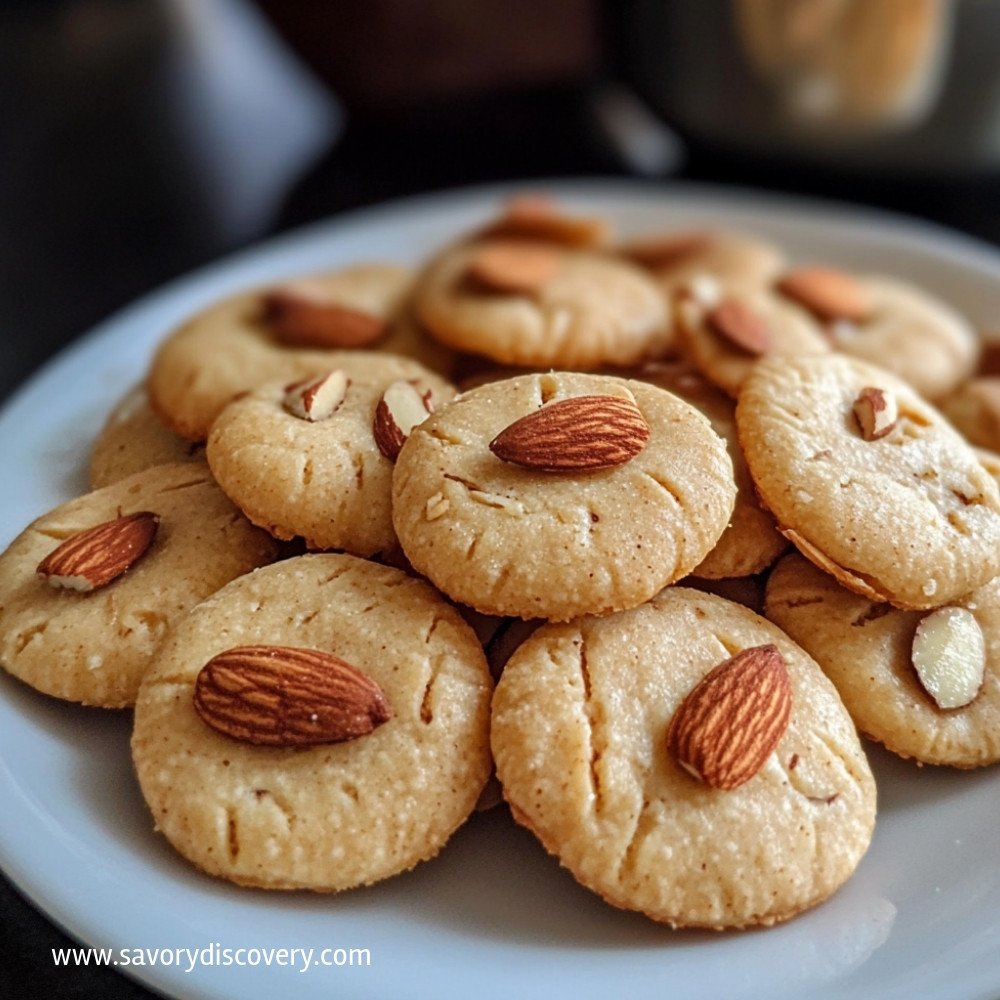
(284, 331)
(741, 816)
(503, 502)
(870, 651)
(305, 459)
(868, 481)
(287, 791)
(88, 590)
(525, 302)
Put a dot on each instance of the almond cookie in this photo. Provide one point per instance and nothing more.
(288, 330)
(744, 816)
(593, 509)
(974, 409)
(535, 304)
(892, 687)
(752, 541)
(133, 439)
(306, 458)
(89, 589)
(868, 481)
(676, 258)
(372, 755)
(889, 323)
(723, 332)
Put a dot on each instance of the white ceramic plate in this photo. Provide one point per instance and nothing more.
(493, 916)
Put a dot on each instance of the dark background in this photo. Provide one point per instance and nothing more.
(139, 139)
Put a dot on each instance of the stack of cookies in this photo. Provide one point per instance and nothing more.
(689, 506)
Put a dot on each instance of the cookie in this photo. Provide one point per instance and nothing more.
(541, 305)
(752, 541)
(723, 333)
(734, 259)
(866, 649)
(325, 816)
(133, 439)
(285, 331)
(581, 736)
(974, 409)
(93, 647)
(899, 510)
(518, 541)
(320, 475)
(889, 323)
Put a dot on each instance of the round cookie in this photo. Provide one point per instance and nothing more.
(889, 323)
(326, 479)
(94, 647)
(517, 541)
(752, 541)
(133, 439)
(579, 734)
(910, 517)
(723, 333)
(974, 409)
(864, 647)
(734, 259)
(590, 311)
(332, 816)
(232, 346)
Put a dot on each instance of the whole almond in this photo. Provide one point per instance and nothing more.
(829, 294)
(98, 555)
(580, 434)
(301, 320)
(402, 407)
(741, 325)
(731, 722)
(513, 267)
(317, 398)
(665, 250)
(876, 412)
(949, 656)
(536, 217)
(282, 696)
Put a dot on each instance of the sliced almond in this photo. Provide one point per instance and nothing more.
(741, 325)
(829, 294)
(536, 217)
(402, 407)
(93, 558)
(281, 696)
(580, 434)
(318, 398)
(666, 250)
(304, 320)
(876, 412)
(949, 655)
(733, 719)
(513, 267)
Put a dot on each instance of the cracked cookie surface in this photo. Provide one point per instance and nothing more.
(508, 540)
(327, 480)
(94, 647)
(912, 517)
(580, 720)
(327, 817)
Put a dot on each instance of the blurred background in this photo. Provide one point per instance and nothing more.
(141, 138)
